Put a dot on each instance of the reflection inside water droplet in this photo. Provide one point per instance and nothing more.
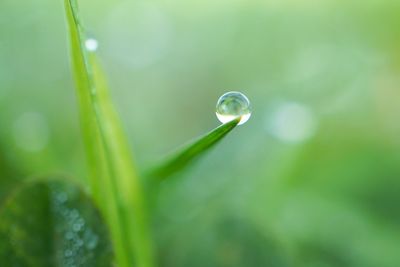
(232, 105)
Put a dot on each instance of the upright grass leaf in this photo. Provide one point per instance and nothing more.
(113, 180)
(184, 157)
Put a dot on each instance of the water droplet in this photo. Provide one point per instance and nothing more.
(79, 242)
(69, 235)
(91, 44)
(80, 221)
(68, 253)
(76, 227)
(62, 197)
(232, 105)
(92, 242)
(90, 239)
(73, 214)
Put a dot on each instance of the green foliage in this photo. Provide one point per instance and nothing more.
(52, 223)
(10, 175)
(114, 182)
(186, 155)
(328, 200)
(47, 223)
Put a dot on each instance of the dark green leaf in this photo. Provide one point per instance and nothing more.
(52, 223)
(9, 174)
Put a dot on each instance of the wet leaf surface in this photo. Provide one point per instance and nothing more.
(52, 223)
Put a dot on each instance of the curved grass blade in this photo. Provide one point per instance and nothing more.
(187, 155)
(113, 180)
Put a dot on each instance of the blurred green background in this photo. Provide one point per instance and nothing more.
(312, 179)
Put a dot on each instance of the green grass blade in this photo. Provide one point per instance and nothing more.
(113, 180)
(187, 155)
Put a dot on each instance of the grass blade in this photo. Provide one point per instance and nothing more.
(184, 157)
(113, 180)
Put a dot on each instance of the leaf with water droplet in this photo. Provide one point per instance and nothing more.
(36, 227)
(233, 108)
